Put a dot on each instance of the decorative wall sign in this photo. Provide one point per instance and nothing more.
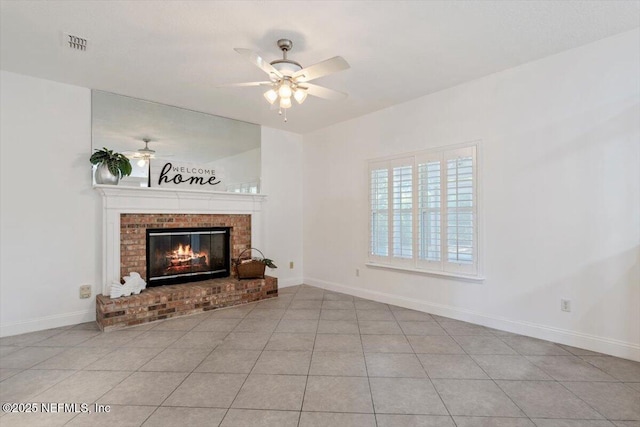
(168, 174)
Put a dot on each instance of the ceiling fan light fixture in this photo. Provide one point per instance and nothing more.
(142, 162)
(300, 95)
(271, 96)
(285, 89)
(285, 103)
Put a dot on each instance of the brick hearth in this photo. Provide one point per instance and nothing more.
(164, 302)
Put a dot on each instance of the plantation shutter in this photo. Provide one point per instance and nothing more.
(402, 204)
(430, 211)
(460, 211)
(379, 210)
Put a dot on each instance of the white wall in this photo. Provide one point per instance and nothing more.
(560, 158)
(282, 183)
(49, 218)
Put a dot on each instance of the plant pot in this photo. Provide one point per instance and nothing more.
(104, 176)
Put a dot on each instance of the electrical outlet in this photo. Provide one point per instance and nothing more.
(291, 264)
(85, 291)
(565, 304)
(357, 272)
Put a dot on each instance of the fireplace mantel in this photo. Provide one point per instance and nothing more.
(117, 200)
(202, 201)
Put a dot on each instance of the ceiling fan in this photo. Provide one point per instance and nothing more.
(288, 79)
(143, 155)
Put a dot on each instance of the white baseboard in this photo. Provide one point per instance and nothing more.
(285, 283)
(47, 322)
(604, 345)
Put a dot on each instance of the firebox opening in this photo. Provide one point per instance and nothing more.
(181, 255)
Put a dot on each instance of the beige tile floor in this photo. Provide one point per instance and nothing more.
(314, 358)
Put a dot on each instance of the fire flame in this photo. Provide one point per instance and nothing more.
(183, 257)
(184, 251)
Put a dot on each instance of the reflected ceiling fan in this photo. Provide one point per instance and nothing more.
(287, 78)
(143, 155)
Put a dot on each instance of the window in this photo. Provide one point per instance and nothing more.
(424, 211)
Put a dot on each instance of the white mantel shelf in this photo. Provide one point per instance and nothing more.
(147, 198)
(117, 200)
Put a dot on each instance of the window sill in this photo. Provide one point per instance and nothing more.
(457, 276)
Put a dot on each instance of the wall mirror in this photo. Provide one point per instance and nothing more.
(125, 124)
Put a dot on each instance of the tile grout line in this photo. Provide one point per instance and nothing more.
(77, 371)
(487, 374)
(554, 379)
(138, 370)
(226, 411)
(83, 370)
(427, 373)
(366, 368)
(254, 364)
(306, 383)
(189, 372)
(494, 381)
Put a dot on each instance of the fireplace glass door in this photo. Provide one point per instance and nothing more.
(180, 255)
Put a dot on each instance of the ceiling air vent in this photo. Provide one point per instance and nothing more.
(76, 43)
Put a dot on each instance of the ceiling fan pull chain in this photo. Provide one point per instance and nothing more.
(285, 116)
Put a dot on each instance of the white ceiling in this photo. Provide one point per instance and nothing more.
(177, 52)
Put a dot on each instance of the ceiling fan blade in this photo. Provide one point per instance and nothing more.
(257, 60)
(323, 92)
(330, 66)
(247, 84)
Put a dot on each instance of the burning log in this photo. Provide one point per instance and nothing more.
(184, 256)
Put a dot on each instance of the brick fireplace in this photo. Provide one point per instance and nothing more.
(128, 212)
(133, 229)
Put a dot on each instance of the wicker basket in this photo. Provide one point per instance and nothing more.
(250, 270)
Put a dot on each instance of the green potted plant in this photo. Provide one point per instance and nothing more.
(110, 166)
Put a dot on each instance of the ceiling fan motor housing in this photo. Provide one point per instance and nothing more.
(284, 65)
